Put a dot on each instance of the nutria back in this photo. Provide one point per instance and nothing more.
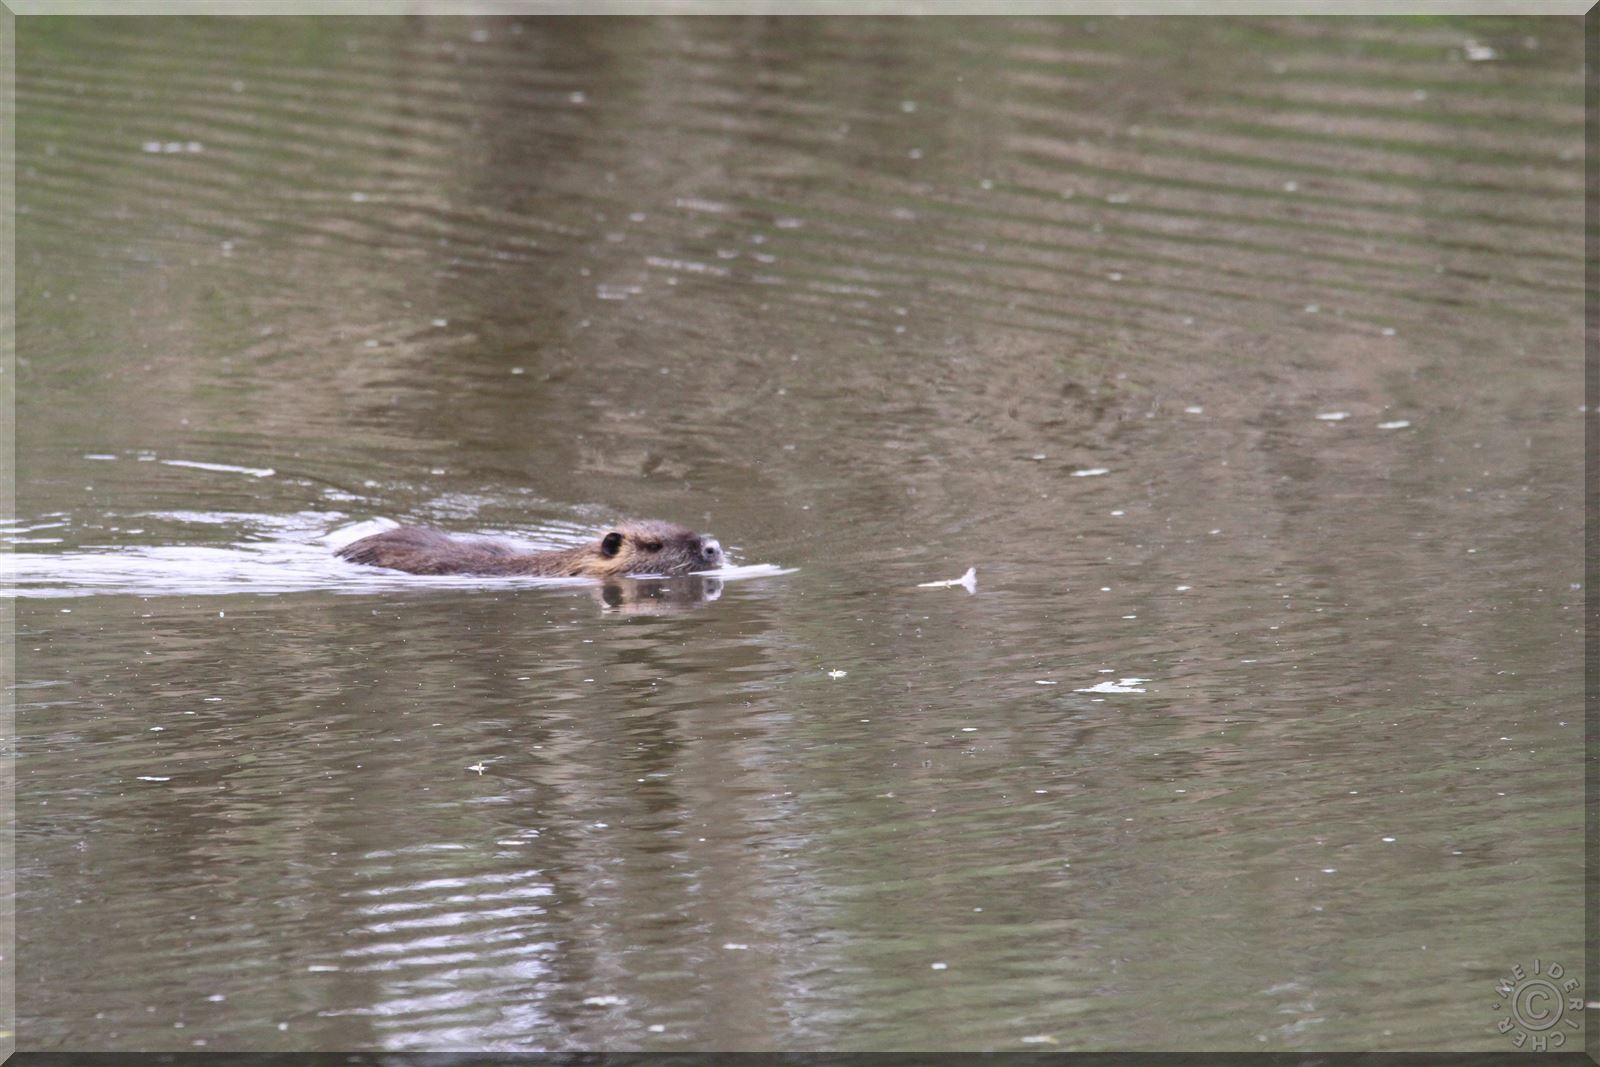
(637, 547)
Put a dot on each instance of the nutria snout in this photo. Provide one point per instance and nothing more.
(636, 547)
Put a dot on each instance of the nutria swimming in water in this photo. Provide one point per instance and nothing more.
(644, 547)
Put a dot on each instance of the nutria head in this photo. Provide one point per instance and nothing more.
(651, 547)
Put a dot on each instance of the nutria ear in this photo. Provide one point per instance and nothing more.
(611, 544)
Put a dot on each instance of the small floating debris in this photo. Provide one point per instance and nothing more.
(1122, 685)
(153, 778)
(735, 946)
(938, 966)
(609, 1000)
(227, 468)
(968, 581)
(1194, 409)
(98, 455)
(480, 767)
(690, 203)
(1334, 416)
(1397, 424)
(1091, 472)
(837, 674)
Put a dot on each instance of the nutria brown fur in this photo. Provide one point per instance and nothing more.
(645, 547)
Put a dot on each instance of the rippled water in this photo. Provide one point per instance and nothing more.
(1238, 357)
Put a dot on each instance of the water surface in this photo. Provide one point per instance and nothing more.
(1239, 357)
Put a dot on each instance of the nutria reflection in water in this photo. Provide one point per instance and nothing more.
(661, 596)
(635, 547)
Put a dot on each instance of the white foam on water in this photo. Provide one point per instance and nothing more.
(228, 468)
(1122, 685)
(294, 553)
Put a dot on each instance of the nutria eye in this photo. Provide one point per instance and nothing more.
(653, 546)
(610, 544)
